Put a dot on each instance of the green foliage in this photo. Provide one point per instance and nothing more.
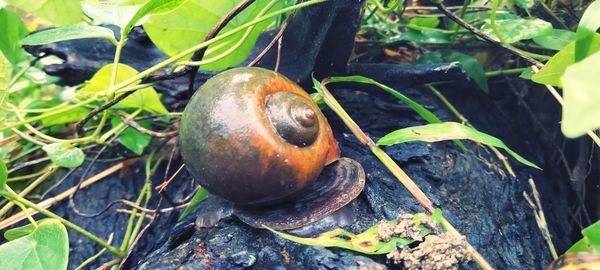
(517, 29)
(131, 138)
(152, 6)
(3, 175)
(590, 241)
(18, 232)
(470, 64)
(145, 98)
(64, 154)
(200, 195)
(188, 24)
(46, 247)
(418, 108)
(69, 32)
(13, 30)
(64, 118)
(447, 131)
(589, 23)
(556, 40)
(366, 242)
(553, 70)
(5, 71)
(581, 97)
(56, 12)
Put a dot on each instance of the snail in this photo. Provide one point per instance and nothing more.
(253, 137)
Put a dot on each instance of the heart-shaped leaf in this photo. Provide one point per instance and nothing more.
(3, 175)
(145, 98)
(188, 24)
(47, 247)
(64, 154)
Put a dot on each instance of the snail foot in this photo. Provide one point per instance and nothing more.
(339, 184)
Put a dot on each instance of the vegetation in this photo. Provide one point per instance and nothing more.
(46, 128)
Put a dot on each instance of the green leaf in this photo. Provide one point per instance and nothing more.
(581, 97)
(200, 195)
(418, 108)
(3, 175)
(470, 65)
(188, 24)
(47, 247)
(590, 241)
(56, 12)
(13, 30)
(431, 22)
(518, 29)
(150, 7)
(69, 32)
(447, 131)
(131, 138)
(366, 242)
(109, 12)
(19, 232)
(5, 77)
(556, 66)
(145, 98)
(64, 154)
(556, 40)
(527, 74)
(73, 116)
(589, 23)
(429, 37)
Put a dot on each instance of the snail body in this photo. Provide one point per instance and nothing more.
(253, 137)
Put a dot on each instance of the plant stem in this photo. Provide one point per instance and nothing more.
(48, 171)
(15, 197)
(43, 116)
(389, 163)
(501, 72)
(497, 32)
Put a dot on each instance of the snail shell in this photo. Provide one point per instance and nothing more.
(252, 136)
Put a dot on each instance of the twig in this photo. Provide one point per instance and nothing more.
(279, 41)
(540, 218)
(49, 171)
(132, 123)
(56, 199)
(485, 37)
(270, 45)
(166, 183)
(101, 108)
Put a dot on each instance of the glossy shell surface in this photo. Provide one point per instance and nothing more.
(230, 146)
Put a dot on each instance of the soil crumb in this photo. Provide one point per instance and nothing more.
(437, 252)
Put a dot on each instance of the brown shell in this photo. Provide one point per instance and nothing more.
(229, 145)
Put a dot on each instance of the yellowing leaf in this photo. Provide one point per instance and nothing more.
(145, 98)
